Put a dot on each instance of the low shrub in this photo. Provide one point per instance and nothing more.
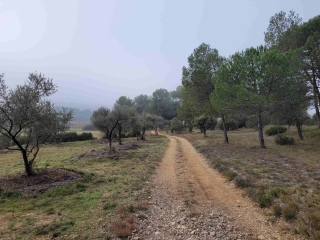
(242, 182)
(275, 130)
(71, 137)
(230, 175)
(176, 125)
(263, 198)
(289, 211)
(284, 140)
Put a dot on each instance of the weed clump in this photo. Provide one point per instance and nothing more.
(289, 211)
(284, 140)
(275, 130)
(230, 175)
(263, 198)
(123, 226)
(277, 210)
(314, 222)
(9, 194)
(242, 182)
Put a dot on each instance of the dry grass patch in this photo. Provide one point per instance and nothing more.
(88, 208)
(284, 178)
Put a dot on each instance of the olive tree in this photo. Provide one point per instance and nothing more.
(145, 120)
(28, 119)
(124, 114)
(107, 121)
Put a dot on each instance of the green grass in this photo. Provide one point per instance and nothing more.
(284, 178)
(86, 209)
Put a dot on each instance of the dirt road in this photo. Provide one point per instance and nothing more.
(190, 200)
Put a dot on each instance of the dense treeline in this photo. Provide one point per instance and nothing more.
(273, 83)
(132, 117)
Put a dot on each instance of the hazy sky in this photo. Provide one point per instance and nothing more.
(99, 50)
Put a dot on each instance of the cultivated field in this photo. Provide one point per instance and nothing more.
(101, 196)
(285, 180)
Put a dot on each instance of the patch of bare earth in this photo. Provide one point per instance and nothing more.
(190, 200)
(40, 182)
(117, 152)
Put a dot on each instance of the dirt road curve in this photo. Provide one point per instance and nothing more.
(192, 201)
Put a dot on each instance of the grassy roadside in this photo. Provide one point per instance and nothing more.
(285, 180)
(103, 204)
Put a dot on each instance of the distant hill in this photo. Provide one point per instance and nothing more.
(80, 115)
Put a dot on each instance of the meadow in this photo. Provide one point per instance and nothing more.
(103, 202)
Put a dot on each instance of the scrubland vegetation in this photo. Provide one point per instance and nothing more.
(284, 180)
(252, 113)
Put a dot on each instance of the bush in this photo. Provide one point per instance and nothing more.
(204, 123)
(176, 125)
(290, 211)
(242, 182)
(263, 198)
(71, 137)
(275, 130)
(85, 136)
(284, 140)
(211, 123)
(230, 125)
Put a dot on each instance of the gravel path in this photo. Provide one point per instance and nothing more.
(189, 200)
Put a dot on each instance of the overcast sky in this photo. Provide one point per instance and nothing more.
(99, 50)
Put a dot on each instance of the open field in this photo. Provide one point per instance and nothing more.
(104, 202)
(285, 180)
(77, 127)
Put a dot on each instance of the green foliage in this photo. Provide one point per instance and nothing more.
(281, 29)
(9, 194)
(196, 79)
(230, 125)
(124, 101)
(140, 103)
(66, 190)
(311, 121)
(204, 123)
(162, 104)
(274, 130)
(176, 125)
(284, 140)
(5, 142)
(71, 137)
(263, 198)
